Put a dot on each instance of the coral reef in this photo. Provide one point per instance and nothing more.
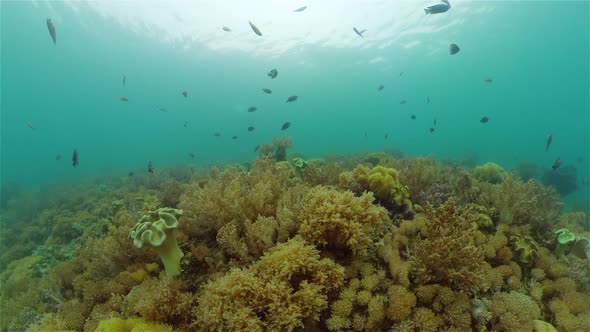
(331, 244)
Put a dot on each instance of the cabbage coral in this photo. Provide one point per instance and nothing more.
(157, 230)
(288, 285)
(339, 220)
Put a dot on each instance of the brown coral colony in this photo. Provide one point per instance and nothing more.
(361, 243)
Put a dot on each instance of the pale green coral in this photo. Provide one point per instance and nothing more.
(490, 172)
(157, 230)
(526, 248)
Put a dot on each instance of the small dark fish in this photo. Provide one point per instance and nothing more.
(380, 87)
(454, 49)
(124, 79)
(431, 130)
(401, 73)
(286, 125)
(185, 94)
(250, 128)
(217, 134)
(386, 135)
(485, 119)
(548, 142)
(273, 73)
(75, 158)
(269, 91)
(123, 98)
(556, 164)
(434, 122)
(300, 9)
(162, 109)
(130, 174)
(185, 124)
(30, 125)
(52, 32)
(257, 147)
(292, 99)
(366, 134)
(255, 29)
(58, 157)
(488, 80)
(226, 29)
(360, 33)
(192, 155)
(428, 100)
(150, 167)
(413, 117)
(403, 102)
(234, 137)
(439, 8)
(252, 109)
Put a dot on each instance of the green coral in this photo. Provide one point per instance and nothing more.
(157, 230)
(564, 236)
(131, 325)
(298, 166)
(526, 248)
(490, 172)
(578, 245)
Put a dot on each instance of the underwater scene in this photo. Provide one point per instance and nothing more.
(295, 165)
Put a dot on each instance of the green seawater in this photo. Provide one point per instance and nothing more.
(536, 53)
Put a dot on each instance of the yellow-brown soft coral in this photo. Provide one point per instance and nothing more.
(446, 253)
(288, 285)
(383, 182)
(339, 220)
(513, 311)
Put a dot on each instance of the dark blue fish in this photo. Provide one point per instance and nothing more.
(273, 73)
(52, 32)
(286, 125)
(268, 91)
(380, 87)
(431, 130)
(556, 164)
(150, 167)
(75, 158)
(485, 119)
(360, 33)
(252, 109)
(439, 8)
(300, 9)
(454, 49)
(255, 29)
(292, 99)
(250, 128)
(413, 117)
(124, 80)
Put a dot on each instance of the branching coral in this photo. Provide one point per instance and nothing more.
(289, 284)
(339, 220)
(447, 252)
(241, 211)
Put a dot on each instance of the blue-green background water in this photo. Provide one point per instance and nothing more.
(536, 52)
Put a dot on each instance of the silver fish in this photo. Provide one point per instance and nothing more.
(52, 32)
(226, 29)
(300, 9)
(255, 29)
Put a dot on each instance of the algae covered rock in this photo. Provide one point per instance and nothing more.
(156, 229)
(490, 172)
